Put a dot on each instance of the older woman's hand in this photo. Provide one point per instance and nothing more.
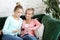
(14, 31)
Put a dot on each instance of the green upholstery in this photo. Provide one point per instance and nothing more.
(2, 19)
(51, 28)
(39, 17)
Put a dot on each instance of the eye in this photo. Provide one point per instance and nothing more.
(18, 12)
(29, 14)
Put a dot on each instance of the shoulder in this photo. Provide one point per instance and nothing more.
(34, 20)
(21, 19)
(9, 17)
(24, 21)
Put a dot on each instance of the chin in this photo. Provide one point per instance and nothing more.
(27, 18)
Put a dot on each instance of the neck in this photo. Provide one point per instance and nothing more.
(28, 21)
(17, 18)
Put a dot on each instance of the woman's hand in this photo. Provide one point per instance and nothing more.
(14, 31)
(29, 28)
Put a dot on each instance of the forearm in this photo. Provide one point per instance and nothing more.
(37, 25)
(34, 28)
(6, 31)
(14, 31)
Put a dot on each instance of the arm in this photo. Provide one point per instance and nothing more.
(19, 28)
(6, 26)
(37, 25)
(21, 24)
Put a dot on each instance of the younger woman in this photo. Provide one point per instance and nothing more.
(29, 25)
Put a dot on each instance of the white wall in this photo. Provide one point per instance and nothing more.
(7, 6)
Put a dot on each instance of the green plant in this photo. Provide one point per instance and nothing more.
(53, 8)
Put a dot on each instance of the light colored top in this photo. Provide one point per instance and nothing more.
(12, 24)
(34, 25)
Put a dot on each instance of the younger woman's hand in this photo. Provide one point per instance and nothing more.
(29, 28)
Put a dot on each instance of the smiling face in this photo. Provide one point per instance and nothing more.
(29, 14)
(18, 12)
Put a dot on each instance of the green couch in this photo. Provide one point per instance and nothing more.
(51, 28)
(39, 18)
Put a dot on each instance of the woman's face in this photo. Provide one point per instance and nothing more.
(18, 12)
(29, 14)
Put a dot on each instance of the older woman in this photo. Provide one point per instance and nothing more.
(13, 24)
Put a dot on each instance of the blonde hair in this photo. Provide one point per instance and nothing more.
(18, 3)
(18, 6)
(29, 9)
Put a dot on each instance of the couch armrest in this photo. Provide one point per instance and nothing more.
(39, 32)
